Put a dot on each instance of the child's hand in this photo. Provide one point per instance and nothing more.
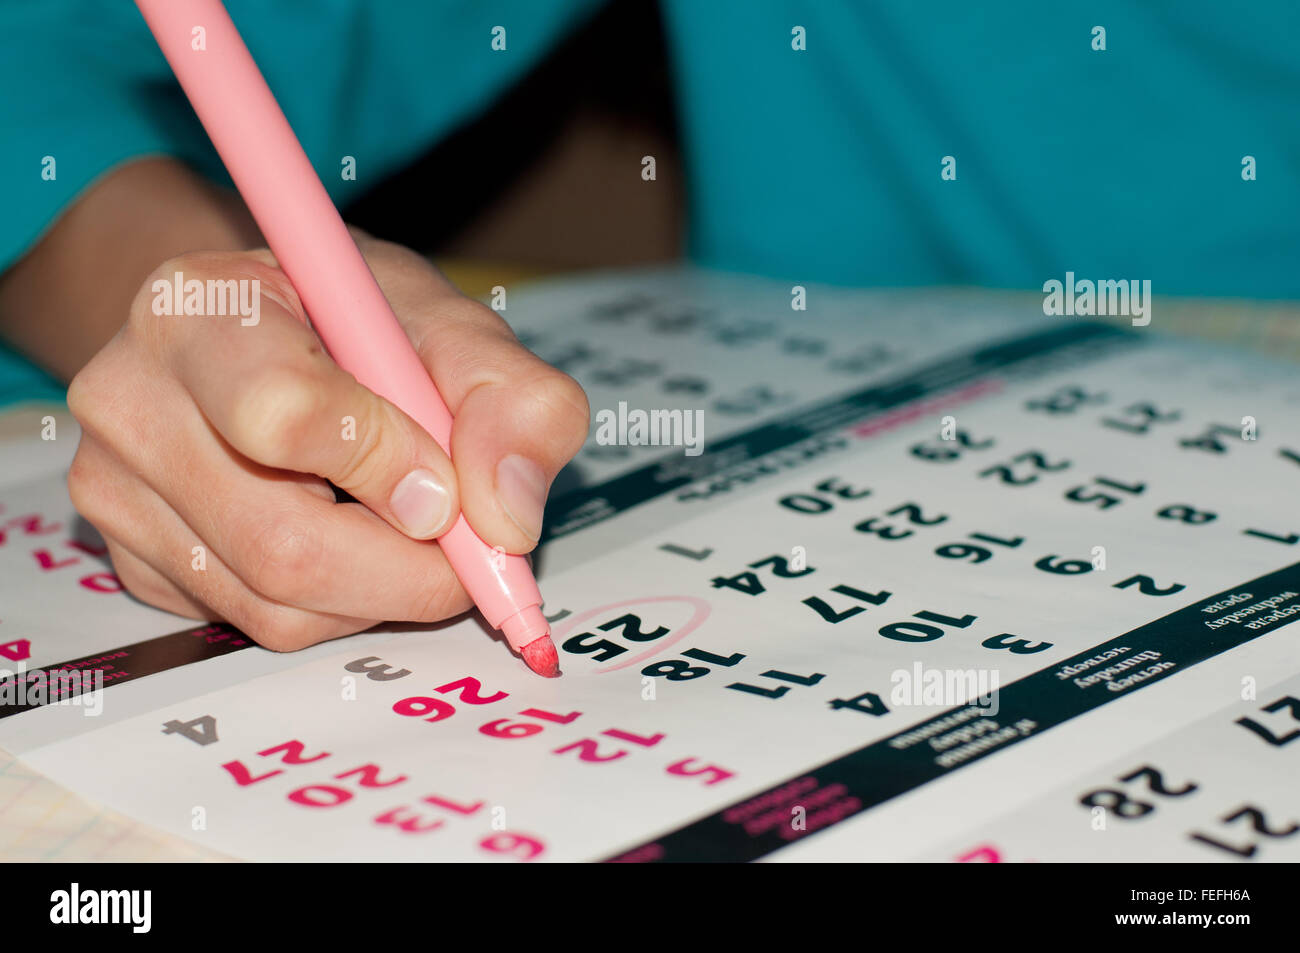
(207, 445)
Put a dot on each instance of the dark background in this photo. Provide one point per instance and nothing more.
(551, 175)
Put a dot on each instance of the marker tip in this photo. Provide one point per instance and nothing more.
(541, 657)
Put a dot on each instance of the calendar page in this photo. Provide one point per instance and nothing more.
(947, 579)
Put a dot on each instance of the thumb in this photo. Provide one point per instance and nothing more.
(512, 436)
(274, 394)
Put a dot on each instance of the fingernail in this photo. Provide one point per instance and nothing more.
(421, 504)
(521, 488)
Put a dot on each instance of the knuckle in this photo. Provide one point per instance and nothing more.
(91, 396)
(281, 628)
(164, 295)
(457, 309)
(471, 335)
(371, 453)
(562, 404)
(283, 559)
(82, 484)
(111, 401)
(80, 397)
(146, 586)
(146, 307)
(274, 417)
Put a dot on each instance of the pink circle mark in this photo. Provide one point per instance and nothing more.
(702, 610)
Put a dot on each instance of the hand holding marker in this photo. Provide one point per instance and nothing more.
(345, 304)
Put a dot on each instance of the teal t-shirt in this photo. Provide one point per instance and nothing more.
(851, 141)
(1122, 162)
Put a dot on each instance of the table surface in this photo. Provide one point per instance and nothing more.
(42, 821)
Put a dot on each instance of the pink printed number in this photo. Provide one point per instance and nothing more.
(516, 845)
(469, 691)
(419, 706)
(292, 751)
(505, 728)
(408, 823)
(242, 776)
(45, 559)
(715, 774)
(17, 650)
(102, 582)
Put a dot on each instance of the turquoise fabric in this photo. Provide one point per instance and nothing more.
(378, 80)
(1123, 163)
(822, 164)
(21, 381)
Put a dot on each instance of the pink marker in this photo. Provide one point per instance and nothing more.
(347, 309)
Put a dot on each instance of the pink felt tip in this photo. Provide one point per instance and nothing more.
(540, 656)
(529, 634)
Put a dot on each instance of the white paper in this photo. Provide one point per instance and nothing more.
(1098, 482)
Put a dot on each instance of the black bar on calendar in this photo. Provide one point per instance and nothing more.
(75, 681)
(1026, 355)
